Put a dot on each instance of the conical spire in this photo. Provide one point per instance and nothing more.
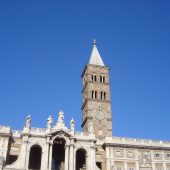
(95, 57)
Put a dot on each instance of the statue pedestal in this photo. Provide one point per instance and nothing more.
(26, 130)
(48, 130)
(72, 132)
(60, 125)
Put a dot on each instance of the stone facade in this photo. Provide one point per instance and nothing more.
(58, 147)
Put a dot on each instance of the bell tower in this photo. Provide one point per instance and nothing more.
(96, 107)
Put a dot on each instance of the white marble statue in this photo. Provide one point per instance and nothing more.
(60, 122)
(28, 121)
(61, 117)
(49, 122)
(91, 128)
(72, 125)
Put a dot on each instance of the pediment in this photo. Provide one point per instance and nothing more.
(61, 133)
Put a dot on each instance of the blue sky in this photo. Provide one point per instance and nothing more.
(44, 46)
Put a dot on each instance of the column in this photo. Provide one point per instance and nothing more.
(66, 157)
(25, 153)
(45, 157)
(50, 156)
(88, 161)
(153, 165)
(125, 165)
(92, 156)
(164, 166)
(71, 155)
(74, 160)
(92, 163)
(152, 158)
(137, 165)
(112, 157)
(107, 159)
(27, 158)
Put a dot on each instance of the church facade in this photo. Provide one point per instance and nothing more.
(58, 147)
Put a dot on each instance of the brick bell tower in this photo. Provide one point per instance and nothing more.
(96, 107)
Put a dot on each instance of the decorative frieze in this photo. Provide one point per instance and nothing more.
(118, 153)
(144, 158)
(157, 155)
(130, 153)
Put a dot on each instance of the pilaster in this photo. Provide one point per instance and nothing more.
(66, 157)
(107, 159)
(71, 155)
(50, 155)
(125, 165)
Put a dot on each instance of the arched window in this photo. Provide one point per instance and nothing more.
(102, 78)
(80, 159)
(92, 94)
(95, 94)
(101, 95)
(35, 158)
(93, 77)
(104, 95)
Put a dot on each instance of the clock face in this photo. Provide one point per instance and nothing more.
(99, 115)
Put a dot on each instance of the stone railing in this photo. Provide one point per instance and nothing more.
(135, 141)
(5, 129)
(37, 131)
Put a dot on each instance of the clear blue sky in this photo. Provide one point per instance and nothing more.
(44, 46)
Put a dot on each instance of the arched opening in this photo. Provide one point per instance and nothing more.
(81, 159)
(35, 158)
(105, 95)
(101, 95)
(58, 155)
(95, 78)
(95, 94)
(92, 94)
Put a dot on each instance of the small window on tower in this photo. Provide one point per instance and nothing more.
(105, 95)
(93, 77)
(101, 95)
(95, 94)
(103, 79)
(92, 94)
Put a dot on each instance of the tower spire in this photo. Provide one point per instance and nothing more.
(95, 57)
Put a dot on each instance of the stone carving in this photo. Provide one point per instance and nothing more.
(157, 155)
(61, 117)
(118, 153)
(72, 126)
(130, 153)
(49, 122)
(60, 121)
(144, 159)
(167, 155)
(28, 121)
(91, 128)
